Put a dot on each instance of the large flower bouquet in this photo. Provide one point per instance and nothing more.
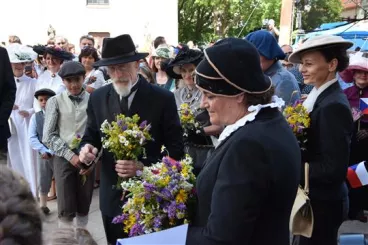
(298, 118)
(125, 138)
(162, 196)
(187, 120)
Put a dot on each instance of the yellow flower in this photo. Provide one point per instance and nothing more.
(128, 224)
(181, 197)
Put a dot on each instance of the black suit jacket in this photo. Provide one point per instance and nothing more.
(248, 186)
(7, 96)
(328, 145)
(151, 103)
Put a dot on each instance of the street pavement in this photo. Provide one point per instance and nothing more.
(95, 226)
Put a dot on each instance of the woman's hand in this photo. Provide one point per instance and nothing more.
(362, 134)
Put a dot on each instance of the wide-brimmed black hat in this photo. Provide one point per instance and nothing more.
(72, 69)
(54, 51)
(165, 67)
(231, 67)
(44, 91)
(118, 50)
(185, 56)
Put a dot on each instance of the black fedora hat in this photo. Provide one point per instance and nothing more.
(184, 56)
(231, 67)
(119, 50)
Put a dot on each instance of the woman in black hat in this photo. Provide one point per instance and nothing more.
(247, 186)
(54, 58)
(197, 142)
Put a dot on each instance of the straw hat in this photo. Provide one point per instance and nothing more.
(319, 42)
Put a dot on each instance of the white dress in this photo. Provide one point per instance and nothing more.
(20, 153)
(45, 80)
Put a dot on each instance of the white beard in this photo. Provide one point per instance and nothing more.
(122, 90)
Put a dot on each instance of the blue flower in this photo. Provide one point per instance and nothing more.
(143, 124)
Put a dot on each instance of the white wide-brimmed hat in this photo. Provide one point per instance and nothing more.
(20, 54)
(319, 42)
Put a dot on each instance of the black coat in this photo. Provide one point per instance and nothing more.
(151, 103)
(7, 96)
(248, 186)
(328, 145)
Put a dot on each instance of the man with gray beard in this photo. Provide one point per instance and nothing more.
(128, 94)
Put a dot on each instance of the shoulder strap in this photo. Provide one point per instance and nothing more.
(306, 178)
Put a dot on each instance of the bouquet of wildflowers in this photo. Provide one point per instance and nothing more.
(160, 198)
(298, 118)
(187, 120)
(125, 138)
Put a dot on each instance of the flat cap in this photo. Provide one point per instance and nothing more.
(44, 91)
(72, 69)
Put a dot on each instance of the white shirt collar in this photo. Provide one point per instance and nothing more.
(254, 110)
(313, 95)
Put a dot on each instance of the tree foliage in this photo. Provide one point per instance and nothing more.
(205, 20)
(322, 11)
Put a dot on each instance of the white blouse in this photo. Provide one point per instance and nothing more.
(100, 80)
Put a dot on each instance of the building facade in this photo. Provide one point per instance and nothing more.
(142, 19)
(354, 9)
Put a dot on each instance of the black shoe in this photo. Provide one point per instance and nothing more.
(45, 210)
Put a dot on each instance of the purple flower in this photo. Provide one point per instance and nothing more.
(124, 127)
(137, 229)
(143, 124)
(120, 123)
(138, 173)
(181, 207)
(78, 136)
(149, 187)
(171, 210)
(157, 222)
(119, 219)
(166, 193)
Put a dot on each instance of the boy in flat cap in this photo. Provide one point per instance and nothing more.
(65, 122)
(45, 169)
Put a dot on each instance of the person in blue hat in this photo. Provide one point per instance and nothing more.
(248, 185)
(286, 86)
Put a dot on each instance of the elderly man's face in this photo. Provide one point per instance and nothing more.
(61, 43)
(123, 76)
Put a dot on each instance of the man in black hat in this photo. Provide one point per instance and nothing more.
(129, 94)
(45, 167)
(7, 98)
(65, 122)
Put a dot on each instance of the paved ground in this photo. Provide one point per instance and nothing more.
(95, 226)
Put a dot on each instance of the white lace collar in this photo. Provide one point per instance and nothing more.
(313, 95)
(254, 110)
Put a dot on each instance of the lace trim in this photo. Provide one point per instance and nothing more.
(254, 110)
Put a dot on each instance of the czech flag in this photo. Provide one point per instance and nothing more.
(363, 106)
(358, 175)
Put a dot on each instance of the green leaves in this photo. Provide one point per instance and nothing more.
(206, 20)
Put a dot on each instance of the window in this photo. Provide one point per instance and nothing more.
(97, 2)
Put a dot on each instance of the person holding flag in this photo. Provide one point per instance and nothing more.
(358, 99)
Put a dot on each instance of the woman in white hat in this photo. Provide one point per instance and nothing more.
(20, 152)
(160, 55)
(329, 135)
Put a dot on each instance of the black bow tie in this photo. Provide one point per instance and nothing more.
(77, 98)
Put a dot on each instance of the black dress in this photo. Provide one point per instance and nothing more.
(248, 185)
(197, 144)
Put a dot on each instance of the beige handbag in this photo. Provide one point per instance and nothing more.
(301, 218)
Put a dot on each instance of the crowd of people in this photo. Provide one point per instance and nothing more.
(53, 103)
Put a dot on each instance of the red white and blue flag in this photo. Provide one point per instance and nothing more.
(363, 106)
(358, 175)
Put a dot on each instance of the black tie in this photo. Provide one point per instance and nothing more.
(124, 101)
